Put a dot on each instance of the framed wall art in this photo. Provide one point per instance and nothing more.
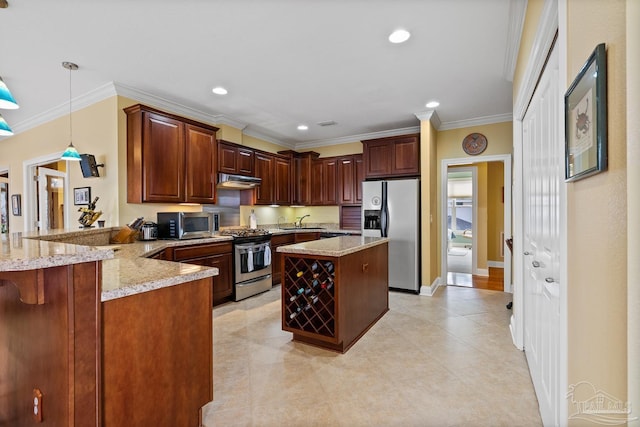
(81, 196)
(585, 110)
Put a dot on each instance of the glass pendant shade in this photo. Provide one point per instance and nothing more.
(6, 99)
(70, 153)
(5, 130)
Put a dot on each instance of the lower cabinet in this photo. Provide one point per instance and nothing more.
(306, 237)
(219, 255)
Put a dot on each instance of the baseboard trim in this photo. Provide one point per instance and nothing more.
(482, 272)
(429, 291)
(495, 264)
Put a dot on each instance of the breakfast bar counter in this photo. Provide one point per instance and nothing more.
(334, 290)
(73, 309)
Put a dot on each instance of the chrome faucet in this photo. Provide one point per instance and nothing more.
(300, 220)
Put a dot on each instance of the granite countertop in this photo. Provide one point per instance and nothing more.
(20, 254)
(333, 247)
(125, 270)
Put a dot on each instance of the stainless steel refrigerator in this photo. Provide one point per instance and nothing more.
(392, 209)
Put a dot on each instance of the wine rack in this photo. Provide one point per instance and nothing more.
(309, 296)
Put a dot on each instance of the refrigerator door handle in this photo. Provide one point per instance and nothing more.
(384, 214)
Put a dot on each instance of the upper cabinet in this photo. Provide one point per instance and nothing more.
(170, 159)
(392, 156)
(234, 159)
(350, 177)
(275, 172)
(324, 186)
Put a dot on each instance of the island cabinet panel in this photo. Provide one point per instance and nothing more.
(332, 301)
(278, 240)
(396, 156)
(170, 159)
(219, 255)
(158, 356)
(51, 343)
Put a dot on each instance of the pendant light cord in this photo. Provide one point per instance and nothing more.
(70, 116)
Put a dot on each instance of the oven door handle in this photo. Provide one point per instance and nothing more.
(254, 247)
(253, 281)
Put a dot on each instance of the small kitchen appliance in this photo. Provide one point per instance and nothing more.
(149, 231)
(187, 225)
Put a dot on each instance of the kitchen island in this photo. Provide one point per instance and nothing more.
(334, 290)
(100, 339)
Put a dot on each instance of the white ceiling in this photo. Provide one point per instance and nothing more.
(284, 62)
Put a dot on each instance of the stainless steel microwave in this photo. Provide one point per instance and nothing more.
(187, 225)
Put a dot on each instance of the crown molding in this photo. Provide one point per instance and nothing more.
(174, 107)
(96, 95)
(256, 134)
(517, 13)
(478, 121)
(430, 115)
(356, 138)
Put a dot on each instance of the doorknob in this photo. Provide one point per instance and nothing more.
(549, 280)
(536, 264)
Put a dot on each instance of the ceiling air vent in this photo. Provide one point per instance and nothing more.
(327, 123)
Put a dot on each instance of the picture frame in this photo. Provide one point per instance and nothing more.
(16, 204)
(585, 109)
(81, 196)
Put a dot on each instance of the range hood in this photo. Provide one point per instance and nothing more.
(237, 182)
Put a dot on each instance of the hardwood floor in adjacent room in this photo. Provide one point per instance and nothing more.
(494, 282)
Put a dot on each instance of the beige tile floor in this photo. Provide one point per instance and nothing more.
(445, 360)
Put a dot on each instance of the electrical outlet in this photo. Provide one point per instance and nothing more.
(37, 405)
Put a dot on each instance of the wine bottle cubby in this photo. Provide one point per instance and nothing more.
(309, 295)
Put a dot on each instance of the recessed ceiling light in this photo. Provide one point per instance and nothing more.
(303, 127)
(432, 104)
(399, 36)
(219, 90)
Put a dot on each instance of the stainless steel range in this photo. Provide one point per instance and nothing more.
(252, 258)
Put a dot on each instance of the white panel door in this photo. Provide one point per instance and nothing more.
(543, 165)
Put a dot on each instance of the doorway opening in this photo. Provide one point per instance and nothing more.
(475, 202)
(4, 202)
(461, 222)
(47, 198)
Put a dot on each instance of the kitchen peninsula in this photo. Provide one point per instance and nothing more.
(334, 290)
(93, 337)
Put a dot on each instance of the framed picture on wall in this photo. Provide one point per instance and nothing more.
(585, 112)
(81, 196)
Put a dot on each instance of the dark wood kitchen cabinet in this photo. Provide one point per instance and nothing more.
(300, 175)
(324, 175)
(219, 255)
(235, 159)
(264, 169)
(282, 181)
(393, 156)
(350, 177)
(170, 159)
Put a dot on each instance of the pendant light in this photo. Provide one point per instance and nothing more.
(7, 101)
(70, 153)
(5, 130)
